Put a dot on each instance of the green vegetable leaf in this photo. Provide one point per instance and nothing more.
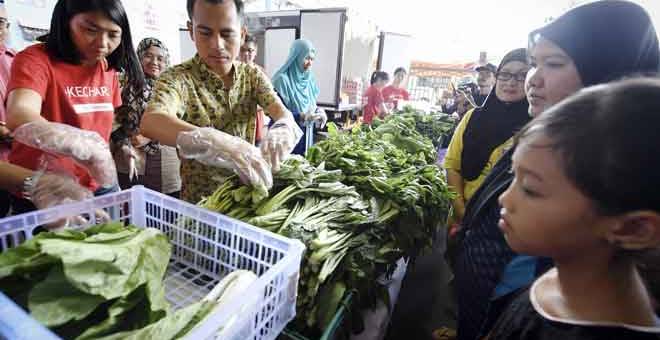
(54, 301)
(173, 326)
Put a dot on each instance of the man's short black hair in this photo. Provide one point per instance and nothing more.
(191, 4)
(249, 38)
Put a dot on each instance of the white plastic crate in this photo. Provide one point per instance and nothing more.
(206, 246)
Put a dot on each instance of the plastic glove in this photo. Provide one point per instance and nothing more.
(320, 117)
(216, 148)
(87, 148)
(308, 115)
(130, 155)
(280, 140)
(49, 190)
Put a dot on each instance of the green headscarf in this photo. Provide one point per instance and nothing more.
(297, 87)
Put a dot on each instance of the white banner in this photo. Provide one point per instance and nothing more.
(156, 19)
(147, 18)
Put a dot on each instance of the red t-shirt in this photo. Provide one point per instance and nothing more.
(391, 94)
(374, 100)
(80, 96)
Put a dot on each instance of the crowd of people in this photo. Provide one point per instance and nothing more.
(83, 107)
(559, 196)
(555, 223)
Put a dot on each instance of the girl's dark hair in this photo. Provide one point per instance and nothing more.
(400, 70)
(60, 45)
(379, 75)
(607, 139)
(606, 136)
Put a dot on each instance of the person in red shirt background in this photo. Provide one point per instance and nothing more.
(374, 97)
(62, 93)
(6, 58)
(397, 90)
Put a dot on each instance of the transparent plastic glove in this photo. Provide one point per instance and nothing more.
(280, 140)
(87, 148)
(49, 190)
(320, 117)
(308, 115)
(216, 148)
(130, 156)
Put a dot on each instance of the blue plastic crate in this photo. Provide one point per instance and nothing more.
(206, 246)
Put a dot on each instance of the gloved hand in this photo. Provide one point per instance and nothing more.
(280, 140)
(49, 190)
(320, 117)
(308, 115)
(87, 148)
(216, 148)
(130, 156)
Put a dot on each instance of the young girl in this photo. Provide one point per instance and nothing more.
(585, 195)
(375, 106)
(62, 93)
(591, 44)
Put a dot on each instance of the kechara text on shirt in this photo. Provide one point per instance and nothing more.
(87, 91)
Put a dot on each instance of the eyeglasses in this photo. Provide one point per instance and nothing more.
(4, 23)
(505, 76)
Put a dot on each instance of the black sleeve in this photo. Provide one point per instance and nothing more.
(496, 183)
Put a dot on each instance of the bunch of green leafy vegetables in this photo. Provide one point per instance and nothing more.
(437, 126)
(385, 164)
(94, 283)
(360, 201)
(335, 223)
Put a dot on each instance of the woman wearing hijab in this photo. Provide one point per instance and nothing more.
(295, 83)
(591, 44)
(484, 133)
(140, 160)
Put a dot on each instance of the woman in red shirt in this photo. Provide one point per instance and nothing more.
(396, 91)
(375, 102)
(62, 93)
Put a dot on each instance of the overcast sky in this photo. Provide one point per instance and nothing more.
(456, 30)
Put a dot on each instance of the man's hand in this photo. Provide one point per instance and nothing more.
(216, 148)
(280, 140)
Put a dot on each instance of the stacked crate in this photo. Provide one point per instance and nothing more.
(353, 89)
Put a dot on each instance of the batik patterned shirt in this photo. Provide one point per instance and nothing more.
(197, 95)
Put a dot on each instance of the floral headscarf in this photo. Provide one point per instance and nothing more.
(135, 101)
(146, 43)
